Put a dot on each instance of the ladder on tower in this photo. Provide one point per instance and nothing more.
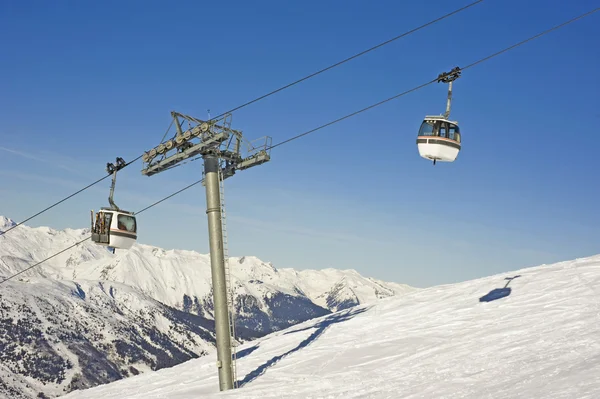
(229, 286)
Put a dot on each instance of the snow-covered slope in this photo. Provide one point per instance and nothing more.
(58, 335)
(537, 338)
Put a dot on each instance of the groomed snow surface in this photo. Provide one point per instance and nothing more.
(540, 339)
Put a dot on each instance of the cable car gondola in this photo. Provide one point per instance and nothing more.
(439, 138)
(113, 227)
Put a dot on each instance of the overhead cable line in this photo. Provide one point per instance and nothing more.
(353, 57)
(436, 79)
(87, 238)
(268, 95)
(64, 199)
(533, 37)
(329, 124)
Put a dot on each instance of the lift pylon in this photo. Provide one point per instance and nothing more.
(224, 151)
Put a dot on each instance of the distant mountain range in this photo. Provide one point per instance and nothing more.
(88, 316)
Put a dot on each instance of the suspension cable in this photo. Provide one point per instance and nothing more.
(267, 95)
(328, 124)
(354, 56)
(87, 238)
(436, 79)
(64, 199)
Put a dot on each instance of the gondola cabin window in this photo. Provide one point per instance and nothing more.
(426, 129)
(127, 223)
(107, 220)
(454, 133)
(102, 224)
(443, 130)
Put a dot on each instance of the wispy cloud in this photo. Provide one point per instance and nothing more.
(71, 185)
(41, 178)
(274, 227)
(297, 230)
(191, 209)
(287, 228)
(534, 253)
(19, 153)
(56, 160)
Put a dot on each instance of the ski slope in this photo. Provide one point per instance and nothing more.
(540, 341)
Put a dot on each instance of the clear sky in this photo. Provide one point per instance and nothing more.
(84, 82)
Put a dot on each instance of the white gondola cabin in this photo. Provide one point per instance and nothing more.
(116, 229)
(439, 139)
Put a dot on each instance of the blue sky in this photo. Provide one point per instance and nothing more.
(83, 83)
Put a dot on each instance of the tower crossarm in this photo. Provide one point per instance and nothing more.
(200, 138)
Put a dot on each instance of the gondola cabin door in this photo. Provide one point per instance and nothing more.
(101, 228)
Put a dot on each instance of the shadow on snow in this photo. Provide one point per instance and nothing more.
(499, 293)
(320, 329)
(245, 352)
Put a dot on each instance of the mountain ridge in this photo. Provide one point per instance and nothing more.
(167, 275)
(152, 307)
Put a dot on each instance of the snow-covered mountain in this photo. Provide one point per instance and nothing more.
(56, 336)
(267, 298)
(138, 306)
(533, 333)
(183, 280)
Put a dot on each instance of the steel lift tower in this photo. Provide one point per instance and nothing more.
(224, 151)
